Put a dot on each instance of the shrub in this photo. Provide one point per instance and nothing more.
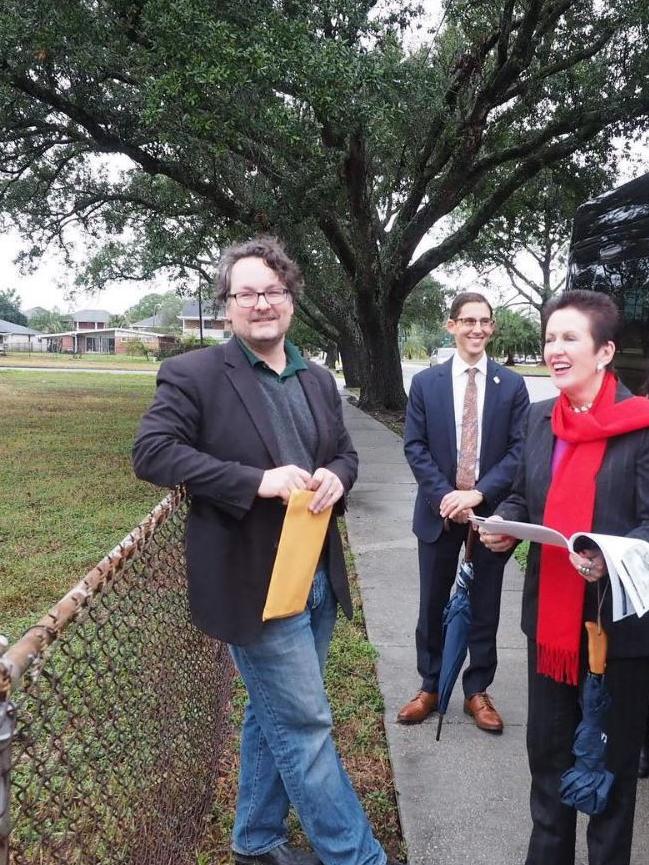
(188, 343)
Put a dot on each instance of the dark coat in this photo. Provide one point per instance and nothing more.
(430, 440)
(207, 428)
(621, 508)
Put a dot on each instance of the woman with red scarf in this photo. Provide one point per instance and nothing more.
(585, 468)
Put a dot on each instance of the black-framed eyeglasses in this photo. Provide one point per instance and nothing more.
(470, 323)
(249, 299)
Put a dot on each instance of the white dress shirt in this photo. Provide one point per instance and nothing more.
(460, 379)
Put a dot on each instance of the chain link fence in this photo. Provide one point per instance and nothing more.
(113, 710)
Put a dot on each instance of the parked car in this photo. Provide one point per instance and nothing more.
(440, 355)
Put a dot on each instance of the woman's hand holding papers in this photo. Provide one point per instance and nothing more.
(496, 543)
(590, 564)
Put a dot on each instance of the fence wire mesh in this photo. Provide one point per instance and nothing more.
(120, 708)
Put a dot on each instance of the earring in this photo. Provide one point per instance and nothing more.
(600, 366)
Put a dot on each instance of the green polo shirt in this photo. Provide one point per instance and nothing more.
(294, 360)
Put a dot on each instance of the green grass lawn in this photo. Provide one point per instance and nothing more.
(521, 553)
(531, 369)
(67, 492)
(84, 361)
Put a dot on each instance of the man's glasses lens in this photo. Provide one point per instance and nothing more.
(248, 299)
(471, 322)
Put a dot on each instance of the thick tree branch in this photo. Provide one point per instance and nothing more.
(563, 65)
(112, 143)
(339, 242)
(362, 218)
(470, 229)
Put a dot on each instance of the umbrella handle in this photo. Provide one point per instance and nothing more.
(597, 645)
(468, 544)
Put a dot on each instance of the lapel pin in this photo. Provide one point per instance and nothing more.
(496, 379)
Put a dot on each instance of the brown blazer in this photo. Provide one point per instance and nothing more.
(207, 428)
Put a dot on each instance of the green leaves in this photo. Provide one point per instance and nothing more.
(10, 307)
(515, 334)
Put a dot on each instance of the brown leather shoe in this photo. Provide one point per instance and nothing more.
(484, 713)
(418, 709)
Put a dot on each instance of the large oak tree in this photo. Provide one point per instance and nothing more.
(309, 119)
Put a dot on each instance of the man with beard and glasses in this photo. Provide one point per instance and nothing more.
(242, 425)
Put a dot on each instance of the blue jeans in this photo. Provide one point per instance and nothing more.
(287, 753)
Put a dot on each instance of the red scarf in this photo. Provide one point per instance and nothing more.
(569, 508)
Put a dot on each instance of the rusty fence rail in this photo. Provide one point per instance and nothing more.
(113, 710)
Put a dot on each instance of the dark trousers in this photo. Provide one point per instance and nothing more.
(438, 563)
(553, 715)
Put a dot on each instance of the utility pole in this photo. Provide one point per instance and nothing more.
(200, 312)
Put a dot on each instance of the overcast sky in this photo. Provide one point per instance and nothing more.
(49, 285)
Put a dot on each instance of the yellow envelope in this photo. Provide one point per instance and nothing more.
(300, 546)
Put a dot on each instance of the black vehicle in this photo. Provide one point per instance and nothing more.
(609, 252)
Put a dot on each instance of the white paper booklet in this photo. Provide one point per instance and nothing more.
(627, 559)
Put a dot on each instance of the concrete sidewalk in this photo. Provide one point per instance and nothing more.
(463, 799)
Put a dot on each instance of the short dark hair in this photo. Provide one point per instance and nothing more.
(467, 297)
(271, 250)
(599, 308)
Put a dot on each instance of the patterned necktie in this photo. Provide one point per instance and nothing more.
(465, 477)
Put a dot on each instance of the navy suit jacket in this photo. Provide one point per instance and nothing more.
(430, 440)
(208, 429)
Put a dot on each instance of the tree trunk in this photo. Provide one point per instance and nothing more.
(351, 354)
(383, 384)
(331, 355)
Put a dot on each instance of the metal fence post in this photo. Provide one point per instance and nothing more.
(7, 729)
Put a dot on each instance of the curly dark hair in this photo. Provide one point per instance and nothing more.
(271, 250)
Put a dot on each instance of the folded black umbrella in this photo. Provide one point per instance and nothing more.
(586, 785)
(456, 624)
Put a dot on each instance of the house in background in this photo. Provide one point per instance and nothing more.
(215, 324)
(90, 319)
(110, 340)
(16, 337)
(147, 324)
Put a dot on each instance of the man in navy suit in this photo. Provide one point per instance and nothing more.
(463, 441)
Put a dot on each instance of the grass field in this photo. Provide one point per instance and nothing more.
(536, 369)
(68, 495)
(67, 492)
(87, 361)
